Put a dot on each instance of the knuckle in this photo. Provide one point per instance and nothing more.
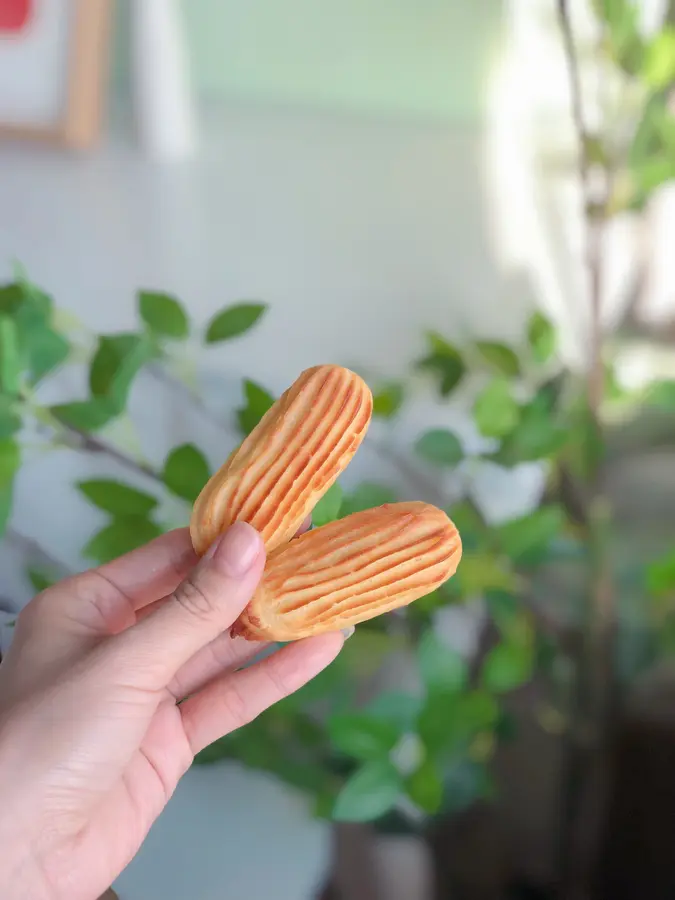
(192, 597)
(35, 611)
(99, 601)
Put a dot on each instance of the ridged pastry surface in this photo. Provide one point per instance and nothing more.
(352, 570)
(295, 453)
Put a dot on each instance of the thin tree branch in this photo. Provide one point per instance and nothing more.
(36, 552)
(92, 444)
(595, 678)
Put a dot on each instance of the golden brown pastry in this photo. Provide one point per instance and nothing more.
(295, 453)
(351, 570)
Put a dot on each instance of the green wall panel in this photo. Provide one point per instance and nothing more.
(428, 58)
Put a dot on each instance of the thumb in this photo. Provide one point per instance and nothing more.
(204, 605)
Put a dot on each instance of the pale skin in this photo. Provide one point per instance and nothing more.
(115, 679)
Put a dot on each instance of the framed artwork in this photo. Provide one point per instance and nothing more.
(53, 69)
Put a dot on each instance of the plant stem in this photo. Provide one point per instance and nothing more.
(594, 690)
(30, 547)
(78, 439)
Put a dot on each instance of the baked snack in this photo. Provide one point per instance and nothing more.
(350, 570)
(295, 453)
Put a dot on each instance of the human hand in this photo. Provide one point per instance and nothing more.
(93, 740)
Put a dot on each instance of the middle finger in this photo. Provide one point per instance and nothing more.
(222, 655)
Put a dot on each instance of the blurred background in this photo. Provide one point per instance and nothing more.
(473, 206)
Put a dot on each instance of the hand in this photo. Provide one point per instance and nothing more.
(92, 739)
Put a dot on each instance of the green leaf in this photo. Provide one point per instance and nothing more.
(10, 420)
(449, 720)
(661, 394)
(116, 363)
(39, 580)
(366, 496)
(495, 411)
(186, 471)
(401, 710)
(10, 357)
(482, 571)
(120, 537)
(504, 608)
(388, 400)
(233, 321)
(11, 298)
(541, 337)
(31, 293)
(658, 67)
(470, 524)
(647, 138)
(661, 575)
(10, 460)
(508, 666)
(163, 315)
(116, 498)
(441, 667)
(425, 787)
(47, 350)
(258, 401)
(328, 507)
(440, 447)
(86, 415)
(525, 538)
(444, 361)
(502, 359)
(536, 435)
(625, 43)
(361, 736)
(651, 174)
(6, 503)
(369, 793)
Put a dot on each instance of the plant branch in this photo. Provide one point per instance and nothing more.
(33, 550)
(173, 382)
(594, 688)
(78, 439)
(92, 444)
(427, 487)
(593, 211)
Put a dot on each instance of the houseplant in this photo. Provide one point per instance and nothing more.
(409, 757)
(402, 758)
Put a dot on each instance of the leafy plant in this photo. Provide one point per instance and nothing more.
(401, 758)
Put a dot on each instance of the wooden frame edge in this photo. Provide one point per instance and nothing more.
(87, 82)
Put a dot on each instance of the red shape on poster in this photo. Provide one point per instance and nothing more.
(14, 15)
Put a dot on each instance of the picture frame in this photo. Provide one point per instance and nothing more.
(54, 61)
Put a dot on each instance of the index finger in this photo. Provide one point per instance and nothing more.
(154, 570)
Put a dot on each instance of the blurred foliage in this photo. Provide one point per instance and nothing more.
(398, 757)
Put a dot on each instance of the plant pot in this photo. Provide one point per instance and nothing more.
(230, 832)
(403, 868)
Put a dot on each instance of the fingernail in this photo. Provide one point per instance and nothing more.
(348, 632)
(237, 549)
